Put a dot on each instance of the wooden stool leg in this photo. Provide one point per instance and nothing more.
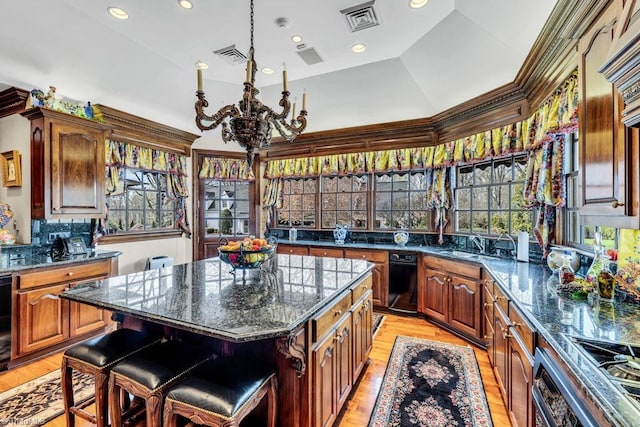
(154, 411)
(114, 402)
(272, 397)
(102, 399)
(67, 392)
(170, 418)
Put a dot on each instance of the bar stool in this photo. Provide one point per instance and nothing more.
(147, 375)
(96, 357)
(222, 392)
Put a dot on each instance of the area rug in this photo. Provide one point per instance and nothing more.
(433, 384)
(40, 400)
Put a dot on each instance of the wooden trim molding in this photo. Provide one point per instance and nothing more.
(130, 128)
(12, 101)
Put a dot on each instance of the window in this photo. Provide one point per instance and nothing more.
(226, 207)
(298, 203)
(143, 205)
(400, 201)
(344, 201)
(489, 198)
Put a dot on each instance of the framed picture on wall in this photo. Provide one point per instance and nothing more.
(11, 169)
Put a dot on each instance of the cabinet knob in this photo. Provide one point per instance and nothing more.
(616, 204)
(486, 304)
(70, 273)
(338, 313)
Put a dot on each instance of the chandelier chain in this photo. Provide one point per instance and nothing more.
(251, 25)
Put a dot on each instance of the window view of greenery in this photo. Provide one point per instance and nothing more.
(400, 201)
(344, 201)
(298, 203)
(143, 206)
(488, 197)
(226, 208)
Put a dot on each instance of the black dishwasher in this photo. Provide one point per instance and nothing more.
(403, 277)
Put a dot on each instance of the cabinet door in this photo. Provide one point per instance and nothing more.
(464, 305)
(362, 319)
(487, 321)
(435, 296)
(77, 170)
(344, 370)
(324, 382)
(380, 273)
(43, 319)
(84, 318)
(500, 345)
(604, 180)
(520, 382)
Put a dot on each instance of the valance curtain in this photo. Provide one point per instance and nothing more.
(536, 135)
(119, 155)
(228, 169)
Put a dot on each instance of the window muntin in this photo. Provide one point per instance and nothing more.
(344, 200)
(489, 199)
(227, 208)
(144, 204)
(298, 203)
(400, 201)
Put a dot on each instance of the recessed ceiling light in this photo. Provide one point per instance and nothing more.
(185, 4)
(118, 13)
(267, 70)
(417, 4)
(358, 48)
(296, 38)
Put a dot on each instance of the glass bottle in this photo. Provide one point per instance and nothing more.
(605, 280)
(566, 273)
(596, 265)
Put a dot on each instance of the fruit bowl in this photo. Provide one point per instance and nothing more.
(247, 253)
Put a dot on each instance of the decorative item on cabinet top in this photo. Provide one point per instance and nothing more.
(37, 98)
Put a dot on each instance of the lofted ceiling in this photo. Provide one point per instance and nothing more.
(418, 62)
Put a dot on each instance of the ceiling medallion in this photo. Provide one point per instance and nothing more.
(251, 123)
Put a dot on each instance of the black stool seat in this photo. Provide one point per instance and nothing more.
(108, 349)
(222, 392)
(148, 373)
(95, 357)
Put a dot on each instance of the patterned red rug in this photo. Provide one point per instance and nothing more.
(433, 384)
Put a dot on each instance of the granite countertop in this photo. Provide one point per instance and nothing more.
(204, 296)
(531, 288)
(10, 263)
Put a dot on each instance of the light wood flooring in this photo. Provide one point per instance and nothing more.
(359, 407)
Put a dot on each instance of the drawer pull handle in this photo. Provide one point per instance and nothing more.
(338, 313)
(486, 304)
(70, 273)
(505, 335)
(616, 204)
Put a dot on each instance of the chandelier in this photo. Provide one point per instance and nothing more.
(251, 123)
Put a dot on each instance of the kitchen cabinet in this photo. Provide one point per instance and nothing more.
(380, 273)
(609, 162)
(513, 342)
(339, 351)
(67, 165)
(44, 322)
(450, 293)
(292, 249)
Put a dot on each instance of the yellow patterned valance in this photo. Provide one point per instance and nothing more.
(559, 113)
(223, 168)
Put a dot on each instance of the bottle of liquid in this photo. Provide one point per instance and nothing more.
(605, 280)
(599, 260)
(293, 234)
(566, 273)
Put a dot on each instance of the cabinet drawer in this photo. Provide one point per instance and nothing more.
(67, 273)
(293, 250)
(373, 256)
(328, 252)
(361, 288)
(523, 329)
(501, 299)
(461, 268)
(328, 317)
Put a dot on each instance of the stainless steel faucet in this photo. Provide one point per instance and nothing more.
(479, 241)
(513, 242)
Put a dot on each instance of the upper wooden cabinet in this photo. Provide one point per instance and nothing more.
(67, 165)
(608, 149)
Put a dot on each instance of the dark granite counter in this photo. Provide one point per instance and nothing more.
(531, 288)
(27, 259)
(204, 297)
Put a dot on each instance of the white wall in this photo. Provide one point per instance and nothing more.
(14, 135)
(135, 254)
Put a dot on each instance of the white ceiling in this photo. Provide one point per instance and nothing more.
(418, 62)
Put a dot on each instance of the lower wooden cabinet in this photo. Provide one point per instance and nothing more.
(44, 322)
(450, 292)
(339, 351)
(380, 273)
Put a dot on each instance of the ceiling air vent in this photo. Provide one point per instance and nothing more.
(231, 55)
(310, 56)
(361, 16)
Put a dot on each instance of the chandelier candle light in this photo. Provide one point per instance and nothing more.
(251, 123)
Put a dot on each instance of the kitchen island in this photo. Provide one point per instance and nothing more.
(284, 313)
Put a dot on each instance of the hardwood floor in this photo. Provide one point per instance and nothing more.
(358, 408)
